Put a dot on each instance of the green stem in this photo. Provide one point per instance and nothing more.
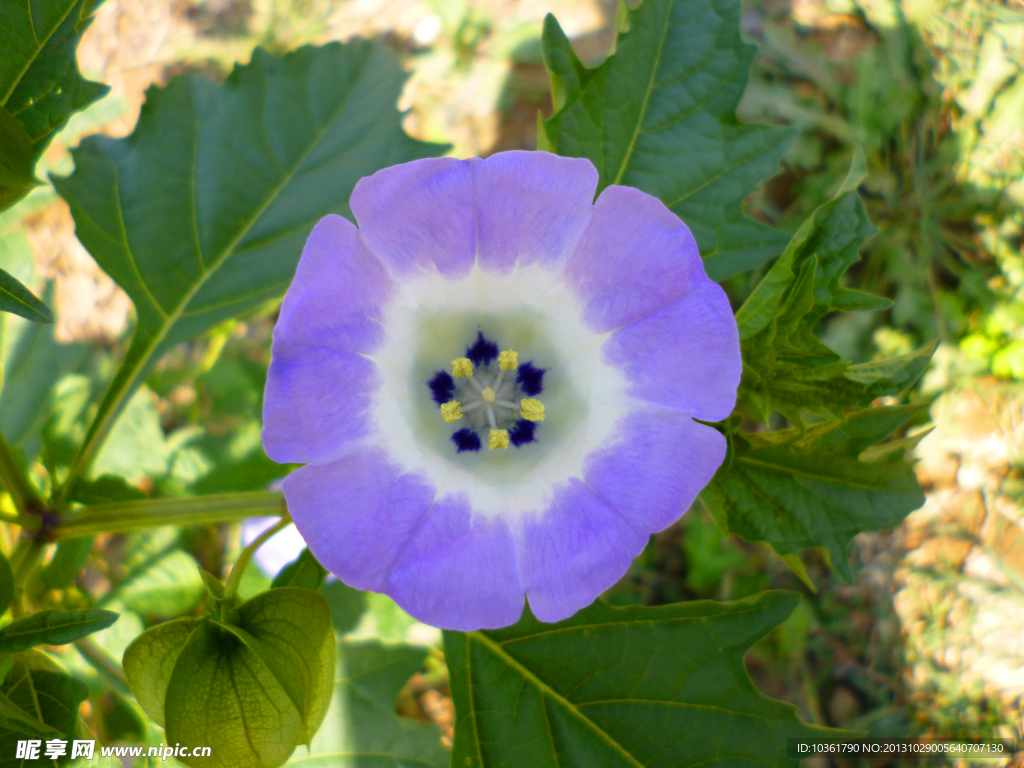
(24, 560)
(32, 522)
(126, 381)
(188, 510)
(103, 664)
(235, 578)
(13, 478)
(3, 348)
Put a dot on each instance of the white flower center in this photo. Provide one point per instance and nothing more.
(427, 328)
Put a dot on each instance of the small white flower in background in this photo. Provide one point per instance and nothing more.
(279, 550)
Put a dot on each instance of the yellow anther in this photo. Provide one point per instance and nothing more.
(533, 410)
(498, 438)
(451, 411)
(462, 367)
(487, 394)
(508, 360)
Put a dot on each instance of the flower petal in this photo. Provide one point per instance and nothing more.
(574, 551)
(419, 215)
(317, 402)
(531, 207)
(339, 288)
(656, 468)
(357, 514)
(459, 571)
(685, 356)
(635, 257)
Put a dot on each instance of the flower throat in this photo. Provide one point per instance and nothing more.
(488, 397)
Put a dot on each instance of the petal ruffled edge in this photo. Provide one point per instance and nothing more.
(574, 551)
(317, 402)
(337, 296)
(684, 356)
(585, 541)
(380, 529)
(531, 208)
(656, 467)
(419, 216)
(635, 257)
(459, 571)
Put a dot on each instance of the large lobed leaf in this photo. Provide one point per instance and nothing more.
(660, 115)
(786, 368)
(40, 85)
(361, 729)
(202, 212)
(819, 487)
(662, 687)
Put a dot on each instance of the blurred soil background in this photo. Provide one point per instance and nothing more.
(930, 637)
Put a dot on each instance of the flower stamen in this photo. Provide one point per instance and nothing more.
(498, 438)
(508, 360)
(451, 411)
(533, 410)
(462, 367)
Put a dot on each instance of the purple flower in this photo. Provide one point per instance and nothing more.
(493, 383)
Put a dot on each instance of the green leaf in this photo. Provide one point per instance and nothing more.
(214, 586)
(39, 79)
(786, 368)
(361, 729)
(816, 488)
(68, 561)
(6, 584)
(223, 695)
(169, 586)
(347, 605)
(34, 364)
(44, 694)
(106, 489)
(149, 662)
(16, 179)
(305, 572)
(660, 115)
(13, 718)
(639, 686)
(53, 628)
(136, 447)
(291, 630)
(201, 213)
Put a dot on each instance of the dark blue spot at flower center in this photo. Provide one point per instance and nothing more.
(482, 351)
(442, 386)
(466, 440)
(531, 379)
(521, 432)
